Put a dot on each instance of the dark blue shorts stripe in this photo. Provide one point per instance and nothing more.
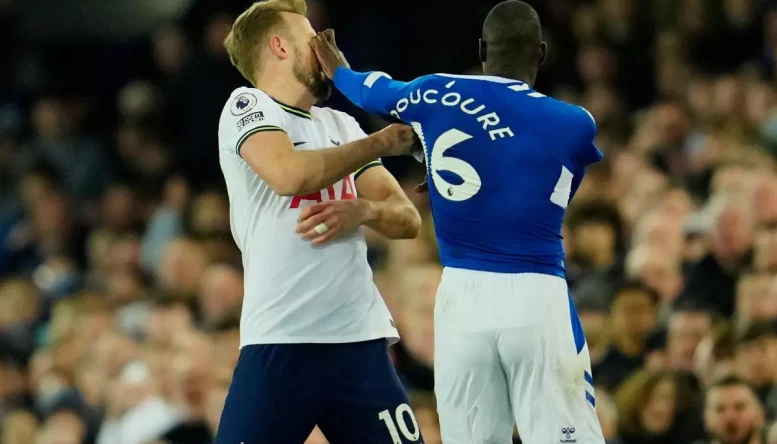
(577, 326)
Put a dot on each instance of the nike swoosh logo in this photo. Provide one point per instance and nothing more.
(299, 143)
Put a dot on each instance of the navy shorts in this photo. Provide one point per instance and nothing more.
(279, 392)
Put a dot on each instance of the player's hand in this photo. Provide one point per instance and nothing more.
(340, 217)
(329, 55)
(400, 140)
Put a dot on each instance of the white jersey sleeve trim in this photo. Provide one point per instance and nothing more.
(589, 115)
(259, 129)
(248, 111)
(374, 77)
(493, 79)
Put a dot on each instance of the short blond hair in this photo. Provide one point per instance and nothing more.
(252, 27)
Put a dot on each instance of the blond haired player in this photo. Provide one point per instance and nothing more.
(302, 180)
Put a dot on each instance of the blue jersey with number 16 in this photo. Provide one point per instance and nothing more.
(503, 162)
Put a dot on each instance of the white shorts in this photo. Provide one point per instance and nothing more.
(509, 349)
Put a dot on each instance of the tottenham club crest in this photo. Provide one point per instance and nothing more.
(243, 103)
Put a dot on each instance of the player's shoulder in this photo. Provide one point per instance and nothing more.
(577, 128)
(246, 112)
(584, 120)
(571, 115)
(246, 108)
(244, 100)
(474, 78)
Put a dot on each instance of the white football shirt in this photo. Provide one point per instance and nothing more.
(296, 292)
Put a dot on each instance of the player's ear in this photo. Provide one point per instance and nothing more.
(543, 52)
(278, 47)
(482, 50)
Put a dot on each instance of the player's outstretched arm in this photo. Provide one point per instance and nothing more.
(375, 91)
(290, 173)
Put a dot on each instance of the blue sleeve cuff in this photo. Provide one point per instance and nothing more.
(350, 83)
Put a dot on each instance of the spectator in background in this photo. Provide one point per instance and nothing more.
(658, 407)
(687, 326)
(732, 412)
(662, 227)
(756, 298)
(136, 412)
(62, 427)
(14, 391)
(59, 141)
(765, 249)
(183, 263)
(168, 316)
(415, 353)
(196, 389)
(593, 316)
(713, 279)
(196, 108)
(165, 223)
(655, 350)
(659, 269)
(596, 231)
(221, 295)
(19, 427)
(20, 309)
(209, 215)
(633, 312)
(115, 245)
(714, 357)
(755, 358)
(607, 412)
(765, 199)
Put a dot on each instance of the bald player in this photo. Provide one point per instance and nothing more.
(503, 161)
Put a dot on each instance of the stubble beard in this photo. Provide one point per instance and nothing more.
(312, 78)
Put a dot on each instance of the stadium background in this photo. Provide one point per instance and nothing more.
(120, 285)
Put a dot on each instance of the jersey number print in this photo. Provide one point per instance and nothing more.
(470, 179)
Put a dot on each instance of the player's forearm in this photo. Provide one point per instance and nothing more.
(363, 89)
(312, 171)
(395, 218)
(351, 84)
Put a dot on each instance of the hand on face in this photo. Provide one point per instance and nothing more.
(329, 55)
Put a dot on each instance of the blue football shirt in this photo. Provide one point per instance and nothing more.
(503, 162)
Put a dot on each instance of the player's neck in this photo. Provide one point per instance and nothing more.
(525, 77)
(287, 90)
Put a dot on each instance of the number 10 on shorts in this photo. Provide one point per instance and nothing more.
(399, 420)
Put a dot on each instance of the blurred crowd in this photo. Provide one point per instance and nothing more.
(121, 287)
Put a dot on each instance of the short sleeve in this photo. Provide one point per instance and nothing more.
(587, 153)
(248, 112)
